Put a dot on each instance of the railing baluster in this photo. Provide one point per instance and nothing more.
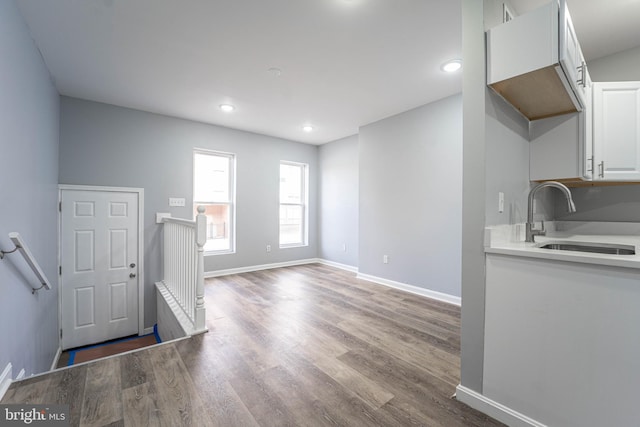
(190, 275)
(184, 265)
(201, 238)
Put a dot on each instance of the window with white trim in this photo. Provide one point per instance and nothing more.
(213, 188)
(293, 204)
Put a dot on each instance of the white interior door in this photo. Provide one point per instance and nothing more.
(99, 260)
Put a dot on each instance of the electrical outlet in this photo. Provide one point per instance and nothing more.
(268, 248)
(385, 259)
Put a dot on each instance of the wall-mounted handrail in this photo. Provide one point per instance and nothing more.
(28, 257)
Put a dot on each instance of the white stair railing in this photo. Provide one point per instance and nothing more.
(184, 266)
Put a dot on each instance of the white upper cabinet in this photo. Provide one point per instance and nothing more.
(571, 57)
(561, 147)
(616, 131)
(535, 63)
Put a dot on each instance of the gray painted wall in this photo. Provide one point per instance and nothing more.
(495, 158)
(106, 145)
(610, 204)
(411, 195)
(29, 117)
(621, 66)
(473, 196)
(338, 168)
(507, 140)
(507, 161)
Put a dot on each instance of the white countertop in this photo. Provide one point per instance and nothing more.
(509, 240)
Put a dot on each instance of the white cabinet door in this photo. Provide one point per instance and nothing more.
(616, 130)
(571, 56)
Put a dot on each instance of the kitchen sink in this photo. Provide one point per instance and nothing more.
(599, 248)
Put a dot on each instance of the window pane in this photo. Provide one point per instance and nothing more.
(218, 224)
(291, 183)
(211, 178)
(291, 225)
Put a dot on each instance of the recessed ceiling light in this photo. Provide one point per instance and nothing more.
(227, 108)
(452, 66)
(307, 128)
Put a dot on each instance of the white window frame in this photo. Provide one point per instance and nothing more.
(232, 197)
(305, 205)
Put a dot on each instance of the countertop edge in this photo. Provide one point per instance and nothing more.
(632, 261)
(509, 240)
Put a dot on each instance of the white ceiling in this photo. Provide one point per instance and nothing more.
(344, 63)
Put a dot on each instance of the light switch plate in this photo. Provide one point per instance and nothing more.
(176, 201)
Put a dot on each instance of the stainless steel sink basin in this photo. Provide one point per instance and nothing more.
(600, 248)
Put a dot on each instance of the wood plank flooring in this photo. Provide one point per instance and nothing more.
(298, 346)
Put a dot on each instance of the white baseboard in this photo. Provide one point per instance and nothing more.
(54, 364)
(147, 331)
(428, 293)
(249, 269)
(345, 267)
(494, 409)
(451, 299)
(5, 380)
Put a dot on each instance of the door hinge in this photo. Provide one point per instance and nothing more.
(60, 270)
(59, 206)
(60, 333)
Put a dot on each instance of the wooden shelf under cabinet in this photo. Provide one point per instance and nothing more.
(538, 94)
(577, 183)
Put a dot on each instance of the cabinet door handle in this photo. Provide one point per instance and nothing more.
(582, 69)
(581, 74)
(601, 167)
(590, 160)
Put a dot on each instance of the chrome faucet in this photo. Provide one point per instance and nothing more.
(531, 232)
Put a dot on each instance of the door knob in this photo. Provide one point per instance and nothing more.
(132, 265)
(132, 275)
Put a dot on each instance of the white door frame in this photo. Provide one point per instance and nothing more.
(140, 193)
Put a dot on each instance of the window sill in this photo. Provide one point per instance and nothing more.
(213, 253)
(295, 245)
